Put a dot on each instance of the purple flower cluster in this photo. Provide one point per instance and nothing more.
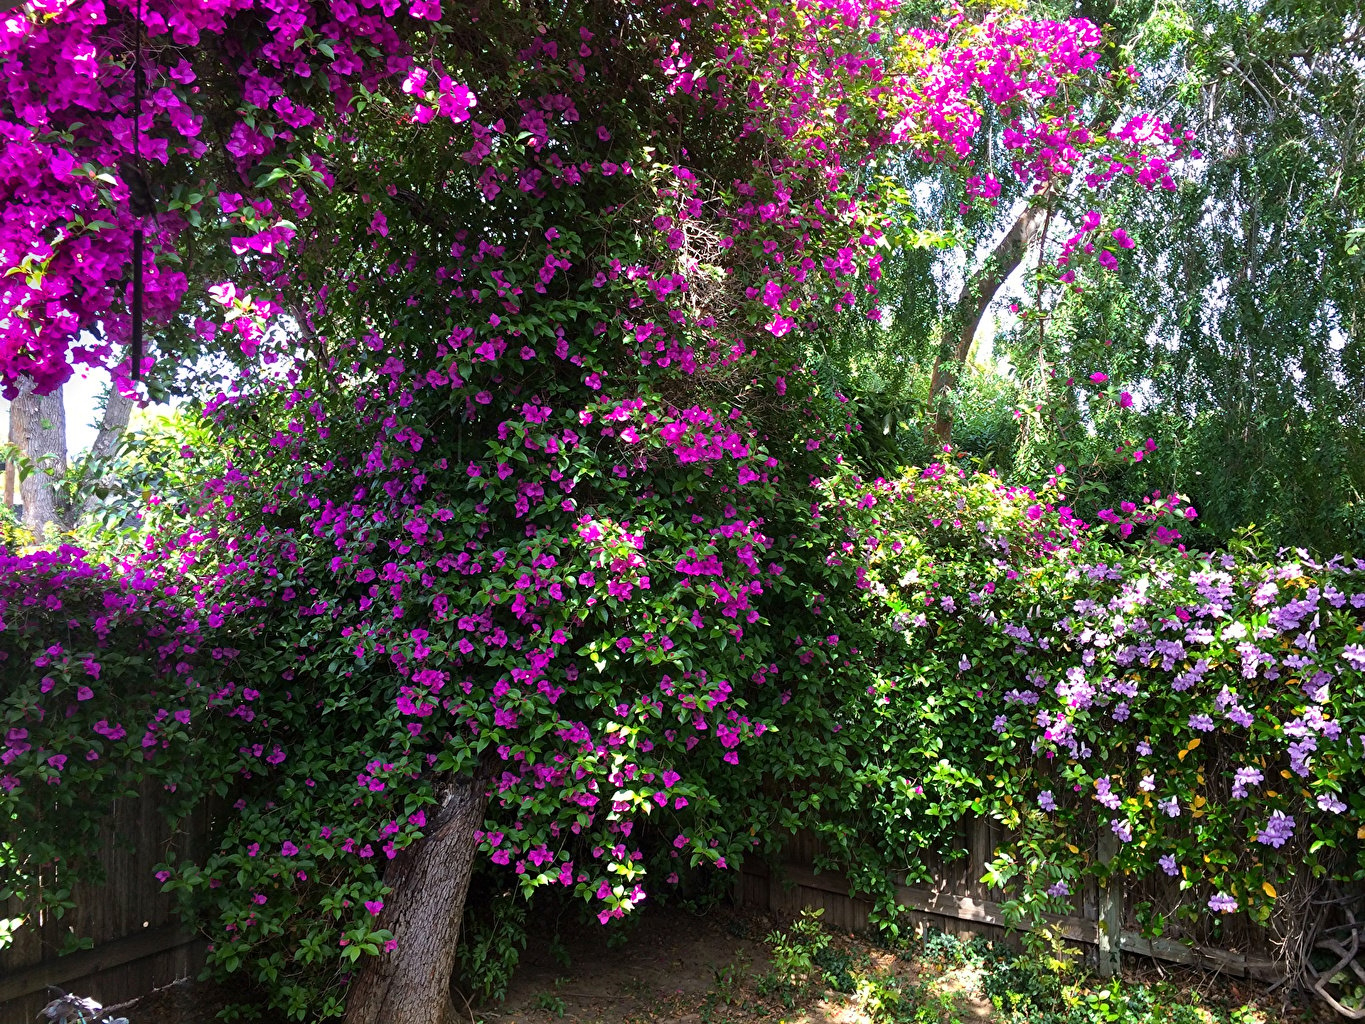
(1278, 830)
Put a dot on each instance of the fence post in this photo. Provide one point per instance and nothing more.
(1111, 909)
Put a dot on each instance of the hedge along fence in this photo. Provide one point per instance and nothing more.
(115, 939)
(983, 653)
(1192, 724)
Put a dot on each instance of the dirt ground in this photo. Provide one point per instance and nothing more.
(672, 967)
(675, 968)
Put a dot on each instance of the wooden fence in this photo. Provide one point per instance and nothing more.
(137, 944)
(1102, 922)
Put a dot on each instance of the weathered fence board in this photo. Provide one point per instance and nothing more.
(138, 945)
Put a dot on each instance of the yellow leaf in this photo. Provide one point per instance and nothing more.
(1271, 792)
(1180, 754)
(1072, 848)
(1199, 801)
(1284, 773)
(1194, 743)
(1269, 889)
(1360, 832)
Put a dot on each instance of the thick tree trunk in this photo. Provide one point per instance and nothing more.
(972, 302)
(430, 880)
(37, 424)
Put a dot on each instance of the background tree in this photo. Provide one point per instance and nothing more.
(1233, 335)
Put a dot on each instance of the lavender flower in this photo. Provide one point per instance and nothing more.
(1103, 794)
(1168, 865)
(1000, 723)
(1045, 800)
(1314, 720)
(1202, 723)
(1298, 755)
(1278, 830)
(1171, 805)
(1059, 889)
(1240, 716)
(1328, 802)
(1222, 903)
(1122, 829)
(1245, 777)
(1354, 655)
(964, 665)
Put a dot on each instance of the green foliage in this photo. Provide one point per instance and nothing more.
(551, 1002)
(1029, 989)
(492, 939)
(13, 533)
(729, 980)
(795, 973)
(1025, 675)
(838, 968)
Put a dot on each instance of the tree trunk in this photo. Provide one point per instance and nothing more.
(429, 880)
(117, 410)
(37, 424)
(978, 290)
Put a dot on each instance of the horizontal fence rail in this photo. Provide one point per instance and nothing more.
(137, 943)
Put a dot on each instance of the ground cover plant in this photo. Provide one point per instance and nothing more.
(510, 520)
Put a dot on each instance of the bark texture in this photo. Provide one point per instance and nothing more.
(37, 425)
(117, 411)
(972, 302)
(430, 880)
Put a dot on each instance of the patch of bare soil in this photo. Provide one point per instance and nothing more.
(184, 1002)
(665, 970)
(674, 968)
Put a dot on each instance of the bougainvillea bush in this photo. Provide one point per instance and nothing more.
(495, 532)
(258, 122)
(1071, 680)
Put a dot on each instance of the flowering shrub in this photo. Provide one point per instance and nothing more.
(1070, 679)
